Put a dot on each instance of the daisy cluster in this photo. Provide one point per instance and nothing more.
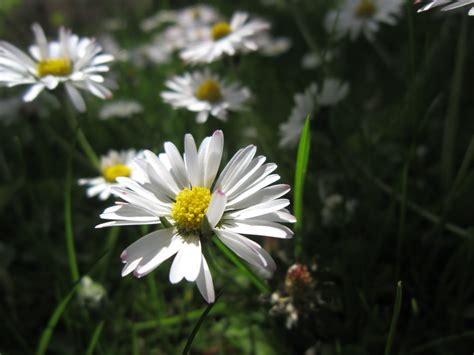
(187, 196)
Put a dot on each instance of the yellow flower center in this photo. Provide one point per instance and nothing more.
(220, 30)
(111, 173)
(209, 90)
(190, 208)
(56, 67)
(365, 9)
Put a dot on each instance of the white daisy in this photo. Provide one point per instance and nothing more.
(183, 194)
(308, 103)
(356, 17)
(270, 46)
(120, 109)
(187, 17)
(113, 165)
(453, 4)
(226, 39)
(313, 60)
(75, 62)
(205, 93)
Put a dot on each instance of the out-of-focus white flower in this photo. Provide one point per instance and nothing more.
(337, 210)
(356, 17)
(272, 47)
(110, 45)
(120, 109)
(308, 103)
(238, 36)
(191, 16)
(90, 292)
(113, 165)
(72, 61)
(314, 60)
(193, 203)
(206, 94)
(453, 4)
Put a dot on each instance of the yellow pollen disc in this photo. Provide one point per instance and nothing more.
(111, 173)
(220, 30)
(56, 67)
(209, 90)
(190, 208)
(366, 8)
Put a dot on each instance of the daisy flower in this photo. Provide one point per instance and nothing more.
(113, 165)
(356, 17)
(193, 203)
(187, 17)
(73, 61)
(205, 93)
(120, 109)
(453, 4)
(227, 39)
(308, 103)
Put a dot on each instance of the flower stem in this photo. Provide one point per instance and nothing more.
(81, 137)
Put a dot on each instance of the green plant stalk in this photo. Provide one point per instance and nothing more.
(300, 174)
(71, 251)
(174, 320)
(442, 341)
(196, 328)
(241, 266)
(95, 338)
(452, 117)
(48, 331)
(402, 219)
(112, 237)
(393, 323)
(81, 137)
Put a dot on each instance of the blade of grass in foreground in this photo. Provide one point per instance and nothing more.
(95, 338)
(301, 167)
(48, 331)
(241, 266)
(393, 324)
(71, 252)
(191, 337)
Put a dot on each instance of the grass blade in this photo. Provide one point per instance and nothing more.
(196, 328)
(393, 324)
(301, 167)
(244, 268)
(95, 338)
(48, 331)
(71, 252)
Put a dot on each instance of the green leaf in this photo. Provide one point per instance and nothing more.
(95, 338)
(393, 324)
(301, 168)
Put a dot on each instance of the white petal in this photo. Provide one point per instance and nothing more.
(216, 208)
(213, 157)
(187, 262)
(239, 245)
(152, 261)
(191, 159)
(204, 282)
(75, 97)
(260, 209)
(177, 164)
(150, 244)
(33, 92)
(258, 227)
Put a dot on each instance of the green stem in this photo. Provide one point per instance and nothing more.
(241, 266)
(95, 338)
(452, 116)
(71, 252)
(81, 138)
(393, 324)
